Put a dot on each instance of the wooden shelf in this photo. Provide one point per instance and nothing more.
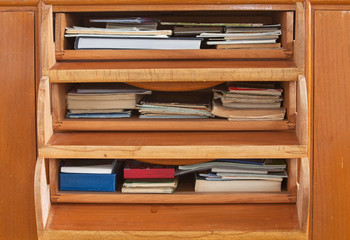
(173, 71)
(173, 145)
(178, 198)
(74, 55)
(136, 124)
(203, 217)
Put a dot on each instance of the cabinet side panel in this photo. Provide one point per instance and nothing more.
(331, 191)
(17, 126)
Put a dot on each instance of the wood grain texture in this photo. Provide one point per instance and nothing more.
(47, 46)
(44, 117)
(173, 71)
(172, 235)
(136, 124)
(178, 198)
(17, 126)
(19, 2)
(74, 55)
(42, 195)
(189, 2)
(171, 7)
(331, 191)
(173, 217)
(174, 145)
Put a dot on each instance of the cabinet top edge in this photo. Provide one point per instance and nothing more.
(164, 2)
(330, 2)
(19, 2)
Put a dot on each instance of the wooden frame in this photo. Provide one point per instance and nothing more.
(285, 220)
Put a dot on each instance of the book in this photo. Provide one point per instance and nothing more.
(137, 43)
(203, 185)
(125, 114)
(87, 182)
(267, 35)
(256, 91)
(177, 104)
(110, 31)
(267, 164)
(152, 26)
(148, 189)
(194, 30)
(80, 111)
(155, 182)
(213, 24)
(98, 166)
(102, 99)
(250, 105)
(250, 46)
(242, 41)
(88, 175)
(232, 114)
(127, 20)
(135, 169)
(234, 166)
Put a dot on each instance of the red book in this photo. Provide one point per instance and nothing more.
(136, 169)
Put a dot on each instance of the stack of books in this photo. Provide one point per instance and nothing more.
(88, 175)
(250, 36)
(128, 33)
(240, 103)
(112, 100)
(232, 175)
(148, 178)
(175, 105)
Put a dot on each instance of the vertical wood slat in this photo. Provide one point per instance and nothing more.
(331, 189)
(17, 125)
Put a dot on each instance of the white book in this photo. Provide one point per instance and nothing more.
(203, 185)
(137, 43)
(96, 166)
(148, 189)
(247, 41)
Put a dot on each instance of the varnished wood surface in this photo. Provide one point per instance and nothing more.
(172, 7)
(154, 217)
(172, 235)
(173, 145)
(174, 138)
(178, 198)
(136, 124)
(19, 2)
(331, 191)
(17, 126)
(74, 55)
(189, 2)
(173, 71)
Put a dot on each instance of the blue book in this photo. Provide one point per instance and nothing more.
(88, 175)
(125, 114)
(87, 182)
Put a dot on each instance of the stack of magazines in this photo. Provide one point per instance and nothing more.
(242, 103)
(175, 105)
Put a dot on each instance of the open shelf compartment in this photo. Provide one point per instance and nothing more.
(216, 14)
(63, 124)
(184, 194)
(253, 214)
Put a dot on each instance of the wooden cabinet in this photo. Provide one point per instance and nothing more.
(331, 156)
(17, 124)
(185, 213)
